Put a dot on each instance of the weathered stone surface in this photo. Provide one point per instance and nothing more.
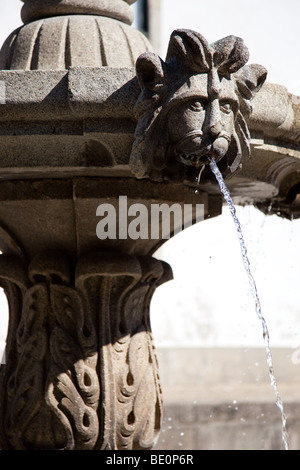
(194, 106)
(273, 110)
(221, 399)
(36, 9)
(86, 111)
(81, 371)
(60, 214)
(70, 33)
(217, 426)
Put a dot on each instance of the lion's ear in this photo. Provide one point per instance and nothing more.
(149, 71)
(249, 80)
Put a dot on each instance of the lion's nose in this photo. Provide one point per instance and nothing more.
(212, 123)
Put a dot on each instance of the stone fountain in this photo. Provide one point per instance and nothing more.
(90, 114)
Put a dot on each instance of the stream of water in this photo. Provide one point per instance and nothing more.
(226, 193)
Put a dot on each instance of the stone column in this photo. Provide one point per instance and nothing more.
(155, 26)
(81, 370)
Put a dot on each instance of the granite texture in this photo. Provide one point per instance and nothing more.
(36, 9)
(82, 122)
(81, 370)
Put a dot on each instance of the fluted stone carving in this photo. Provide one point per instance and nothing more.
(59, 34)
(194, 105)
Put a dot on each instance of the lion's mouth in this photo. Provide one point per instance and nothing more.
(193, 149)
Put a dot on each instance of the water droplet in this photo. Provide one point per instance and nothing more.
(253, 288)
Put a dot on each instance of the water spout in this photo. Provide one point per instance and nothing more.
(266, 337)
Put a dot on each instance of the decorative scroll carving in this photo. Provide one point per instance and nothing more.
(52, 389)
(81, 370)
(59, 34)
(36, 9)
(193, 105)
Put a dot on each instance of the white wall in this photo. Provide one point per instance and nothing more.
(208, 303)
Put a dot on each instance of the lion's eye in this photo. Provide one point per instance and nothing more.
(225, 107)
(196, 106)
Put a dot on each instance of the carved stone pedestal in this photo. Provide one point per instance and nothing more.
(80, 126)
(81, 369)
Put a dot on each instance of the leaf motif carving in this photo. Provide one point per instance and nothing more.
(53, 387)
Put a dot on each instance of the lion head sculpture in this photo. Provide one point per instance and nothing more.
(194, 105)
